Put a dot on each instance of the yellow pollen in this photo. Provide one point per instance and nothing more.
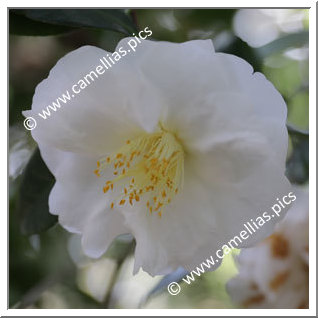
(152, 174)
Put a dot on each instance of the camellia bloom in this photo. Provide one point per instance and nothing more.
(274, 274)
(175, 144)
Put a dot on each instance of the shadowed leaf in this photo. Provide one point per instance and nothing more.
(37, 182)
(113, 19)
(21, 25)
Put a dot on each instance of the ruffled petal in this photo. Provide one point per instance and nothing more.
(102, 114)
(100, 230)
(243, 103)
(77, 192)
(244, 182)
(185, 235)
(77, 198)
(269, 105)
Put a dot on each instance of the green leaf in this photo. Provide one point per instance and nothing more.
(297, 167)
(206, 17)
(293, 40)
(113, 19)
(37, 182)
(21, 25)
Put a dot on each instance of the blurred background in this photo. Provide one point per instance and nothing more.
(46, 266)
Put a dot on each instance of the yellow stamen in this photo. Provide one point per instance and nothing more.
(152, 170)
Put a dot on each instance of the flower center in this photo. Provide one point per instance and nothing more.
(147, 169)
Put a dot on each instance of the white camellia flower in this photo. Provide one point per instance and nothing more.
(260, 26)
(274, 274)
(187, 145)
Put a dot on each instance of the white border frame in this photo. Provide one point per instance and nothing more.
(312, 161)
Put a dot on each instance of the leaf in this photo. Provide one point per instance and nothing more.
(113, 19)
(21, 25)
(37, 182)
(288, 41)
(297, 168)
(201, 18)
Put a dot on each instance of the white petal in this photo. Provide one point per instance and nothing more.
(109, 106)
(100, 230)
(77, 192)
(245, 104)
(216, 118)
(77, 198)
(243, 182)
(185, 235)
(269, 106)
(180, 72)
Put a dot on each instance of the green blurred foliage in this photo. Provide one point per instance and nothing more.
(43, 268)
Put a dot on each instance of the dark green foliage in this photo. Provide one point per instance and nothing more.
(37, 182)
